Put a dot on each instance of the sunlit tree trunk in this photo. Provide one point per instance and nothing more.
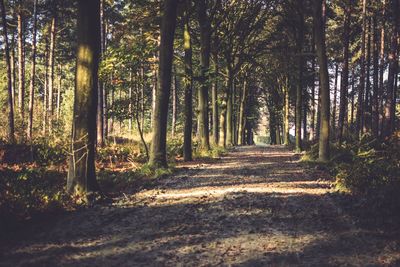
(286, 138)
(367, 102)
(174, 104)
(13, 71)
(382, 68)
(101, 87)
(393, 66)
(158, 155)
(214, 97)
(229, 110)
(82, 172)
(33, 73)
(323, 154)
(342, 123)
(333, 117)
(188, 109)
(242, 113)
(205, 42)
(11, 136)
(360, 104)
(21, 67)
(299, 88)
(375, 97)
(51, 67)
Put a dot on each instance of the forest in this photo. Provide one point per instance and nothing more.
(207, 132)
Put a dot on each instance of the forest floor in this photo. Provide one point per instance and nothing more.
(256, 206)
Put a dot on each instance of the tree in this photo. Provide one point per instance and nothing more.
(323, 153)
(33, 73)
(188, 81)
(81, 170)
(205, 45)
(345, 71)
(11, 136)
(158, 154)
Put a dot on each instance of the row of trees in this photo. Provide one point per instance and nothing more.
(207, 71)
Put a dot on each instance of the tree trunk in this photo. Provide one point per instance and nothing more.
(323, 154)
(242, 113)
(367, 102)
(174, 104)
(229, 110)
(214, 93)
(13, 71)
(82, 171)
(342, 123)
(299, 88)
(333, 123)
(382, 69)
(375, 97)
(360, 108)
(100, 102)
(51, 69)
(33, 73)
(11, 135)
(393, 65)
(286, 112)
(188, 81)
(21, 68)
(59, 92)
(158, 155)
(205, 42)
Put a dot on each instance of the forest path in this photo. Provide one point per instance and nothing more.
(256, 206)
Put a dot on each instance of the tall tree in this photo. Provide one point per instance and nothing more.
(158, 155)
(33, 73)
(323, 153)
(11, 136)
(51, 63)
(342, 123)
(393, 68)
(300, 66)
(21, 63)
(188, 112)
(82, 171)
(205, 47)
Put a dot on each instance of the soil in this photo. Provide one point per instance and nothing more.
(256, 206)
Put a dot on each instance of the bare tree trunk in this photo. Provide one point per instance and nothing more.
(158, 154)
(299, 88)
(342, 123)
(11, 135)
(375, 97)
(82, 171)
(242, 113)
(59, 92)
(393, 66)
(286, 112)
(367, 102)
(100, 102)
(45, 88)
(382, 69)
(13, 71)
(228, 134)
(360, 107)
(21, 68)
(323, 154)
(333, 123)
(214, 94)
(33, 73)
(51, 68)
(205, 42)
(188, 82)
(174, 104)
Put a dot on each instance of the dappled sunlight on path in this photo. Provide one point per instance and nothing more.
(257, 206)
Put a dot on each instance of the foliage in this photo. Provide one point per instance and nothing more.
(29, 190)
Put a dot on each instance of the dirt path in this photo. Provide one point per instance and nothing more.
(257, 206)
